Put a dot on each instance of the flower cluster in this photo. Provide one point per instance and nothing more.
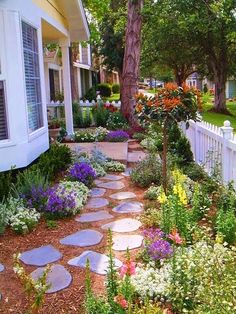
(117, 136)
(114, 166)
(24, 220)
(82, 172)
(96, 135)
(153, 192)
(180, 192)
(38, 198)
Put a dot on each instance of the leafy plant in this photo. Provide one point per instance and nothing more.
(152, 192)
(116, 121)
(24, 220)
(104, 89)
(34, 289)
(100, 114)
(114, 166)
(147, 171)
(225, 225)
(115, 88)
(6, 180)
(200, 202)
(55, 160)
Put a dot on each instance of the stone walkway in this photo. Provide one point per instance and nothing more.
(119, 218)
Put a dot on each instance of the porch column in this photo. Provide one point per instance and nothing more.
(64, 44)
(79, 82)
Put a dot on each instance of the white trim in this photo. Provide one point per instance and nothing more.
(83, 15)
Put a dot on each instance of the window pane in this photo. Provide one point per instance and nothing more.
(32, 77)
(3, 119)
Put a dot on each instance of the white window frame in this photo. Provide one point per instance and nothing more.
(38, 132)
(3, 78)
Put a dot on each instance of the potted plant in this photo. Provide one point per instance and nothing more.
(54, 127)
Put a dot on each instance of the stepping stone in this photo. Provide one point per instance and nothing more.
(41, 256)
(128, 207)
(127, 172)
(124, 242)
(122, 195)
(97, 192)
(1, 267)
(123, 225)
(58, 277)
(97, 202)
(97, 181)
(136, 156)
(112, 177)
(113, 185)
(98, 263)
(83, 238)
(96, 216)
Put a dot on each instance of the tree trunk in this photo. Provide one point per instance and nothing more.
(120, 82)
(131, 60)
(220, 96)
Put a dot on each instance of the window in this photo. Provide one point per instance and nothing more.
(3, 119)
(54, 82)
(32, 77)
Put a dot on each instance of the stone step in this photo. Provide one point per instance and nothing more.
(123, 225)
(83, 238)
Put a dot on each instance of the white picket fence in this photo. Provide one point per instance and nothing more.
(54, 107)
(211, 144)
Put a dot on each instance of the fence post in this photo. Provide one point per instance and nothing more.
(227, 132)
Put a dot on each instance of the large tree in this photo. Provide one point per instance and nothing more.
(131, 61)
(189, 35)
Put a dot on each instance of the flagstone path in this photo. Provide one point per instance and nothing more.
(110, 206)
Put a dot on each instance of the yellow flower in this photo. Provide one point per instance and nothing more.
(162, 198)
(180, 192)
(178, 176)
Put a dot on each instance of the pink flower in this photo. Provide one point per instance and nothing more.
(127, 268)
(119, 299)
(175, 237)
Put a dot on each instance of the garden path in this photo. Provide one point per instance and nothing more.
(114, 204)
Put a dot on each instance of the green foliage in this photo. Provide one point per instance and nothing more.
(147, 308)
(91, 94)
(55, 160)
(200, 202)
(91, 135)
(35, 289)
(51, 224)
(225, 225)
(114, 166)
(100, 115)
(153, 192)
(147, 171)
(139, 136)
(116, 121)
(194, 171)
(227, 198)
(104, 89)
(28, 179)
(6, 179)
(81, 118)
(115, 88)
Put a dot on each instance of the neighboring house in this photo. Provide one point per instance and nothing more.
(194, 80)
(25, 27)
(231, 88)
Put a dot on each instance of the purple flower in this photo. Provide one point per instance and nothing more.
(117, 136)
(82, 172)
(160, 249)
(153, 234)
(61, 202)
(37, 198)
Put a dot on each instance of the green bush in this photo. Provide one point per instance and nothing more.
(225, 225)
(104, 89)
(28, 179)
(139, 136)
(115, 88)
(55, 160)
(90, 94)
(116, 121)
(147, 171)
(100, 115)
(194, 171)
(6, 179)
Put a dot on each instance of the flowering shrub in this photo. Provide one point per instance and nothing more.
(152, 192)
(38, 198)
(82, 172)
(96, 135)
(24, 220)
(116, 121)
(117, 136)
(114, 166)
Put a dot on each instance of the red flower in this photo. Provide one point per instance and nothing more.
(127, 268)
(175, 237)
(119, 299)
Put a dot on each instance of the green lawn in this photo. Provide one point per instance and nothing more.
(115, 97)
(218, 118)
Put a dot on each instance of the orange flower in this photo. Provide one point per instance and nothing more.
(139, 108)
(149, 103)
(171, 86)
(170, 103)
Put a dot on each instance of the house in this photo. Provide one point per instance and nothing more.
(231, 88)
(25, 27)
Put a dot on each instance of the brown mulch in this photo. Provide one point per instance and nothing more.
(69, 300)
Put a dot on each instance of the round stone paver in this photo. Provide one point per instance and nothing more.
(122, 195)
(128, 207)
(1, 267)
(112, 177)
(98, 262)
(97, 192)
(40, 256)
(97, 202)
(127, 172)
(113, 185)
(58, 277)
(124, 242)
(123, 225)
(83, 238)
(95, 216)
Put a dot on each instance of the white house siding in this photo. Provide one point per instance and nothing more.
(231, 89)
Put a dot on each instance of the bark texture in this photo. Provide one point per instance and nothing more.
(131, 61)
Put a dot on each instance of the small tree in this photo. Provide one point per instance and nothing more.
(172, 104)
